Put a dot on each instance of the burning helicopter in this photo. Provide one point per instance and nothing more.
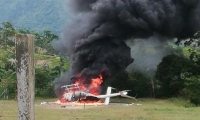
(73, 93)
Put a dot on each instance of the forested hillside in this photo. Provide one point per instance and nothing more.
(35, 15)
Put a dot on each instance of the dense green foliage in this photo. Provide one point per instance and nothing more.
(44, 81)
(178, 76)
(171, 73)
(134, 81)
(192, 89)
(49, 65)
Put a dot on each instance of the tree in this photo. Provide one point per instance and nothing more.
(7, 32)
(44, 40)
(140, 84)
(195, 58)
(192, 89)
(24, 31)
(44, 78)
(171, 73)
(7, 69)
(134, 81)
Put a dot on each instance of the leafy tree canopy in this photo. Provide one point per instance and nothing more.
(171, 73)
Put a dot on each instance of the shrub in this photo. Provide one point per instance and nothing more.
(193, 90)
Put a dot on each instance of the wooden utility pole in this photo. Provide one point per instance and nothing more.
(25, 70)
(153, 87)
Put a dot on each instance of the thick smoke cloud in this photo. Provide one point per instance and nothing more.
(95, 37)
(148, 53)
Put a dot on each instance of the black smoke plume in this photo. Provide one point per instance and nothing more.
(95, 37)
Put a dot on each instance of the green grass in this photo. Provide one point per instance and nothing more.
(42, 57)
(53, 60)
(151, 109)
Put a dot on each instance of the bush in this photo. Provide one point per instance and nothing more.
(171, 73)
(44, 78)
(45, 93)
(134, 81)
(193, 90)
(140, 84)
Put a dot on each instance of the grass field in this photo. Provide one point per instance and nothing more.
(148, 109)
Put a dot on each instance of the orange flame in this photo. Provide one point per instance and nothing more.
(93, 88)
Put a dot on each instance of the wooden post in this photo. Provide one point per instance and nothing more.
(24, 44)
(7, 93)
(152, 82)
(4, 95)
